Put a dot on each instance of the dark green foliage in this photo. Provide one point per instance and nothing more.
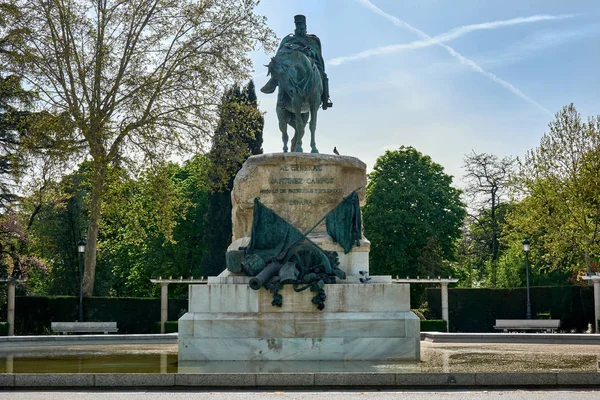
(433, 325)
(133, 315)
(476, 310)
(13, 100)
(412, 217)
(57, 229)
(152, 226)
(238, 136)
(3, 328)
(33, 314)
(409, 201)
(422, 313)
(170, 327)
(217, 232)
(153, 231)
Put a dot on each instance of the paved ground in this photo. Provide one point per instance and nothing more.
(293, 395)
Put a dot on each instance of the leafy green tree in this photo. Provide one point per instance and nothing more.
(19, 126)
(411, 207)
(59, 224)
(487, 186)
(238, 136)
(560, 185)
(153, 227)
(13, 98)
(432, 262)
(136, 78)
(475, 258)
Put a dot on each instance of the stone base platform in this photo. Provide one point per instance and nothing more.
(231, 322)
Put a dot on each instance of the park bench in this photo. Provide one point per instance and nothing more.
(548, 325)
(84, 327)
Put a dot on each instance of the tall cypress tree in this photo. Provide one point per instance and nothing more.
(237, 137)
(12, 118)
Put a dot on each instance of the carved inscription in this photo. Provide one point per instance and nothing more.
(295, 184)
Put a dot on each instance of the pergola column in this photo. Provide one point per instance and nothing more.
(164, 295)
(444, 286)
(164, 305)
(445, 305)
(11, 308)
(596, 281)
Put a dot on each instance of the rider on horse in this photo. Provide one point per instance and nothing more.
(309, 45)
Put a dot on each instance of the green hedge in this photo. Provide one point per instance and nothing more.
(476, 310)
(132, 315)
(170, 327)
(3, 328)
(433, 325)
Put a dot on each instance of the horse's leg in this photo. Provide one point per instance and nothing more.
(283, 121)
(305, 117)
(292, 122)
(299, 127)
(314, 108)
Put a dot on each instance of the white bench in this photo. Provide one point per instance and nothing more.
(548, 325)
(84, 327)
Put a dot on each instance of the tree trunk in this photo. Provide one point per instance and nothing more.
(92, 233)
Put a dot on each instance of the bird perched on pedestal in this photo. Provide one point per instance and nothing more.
(365, 277)
(335, 151)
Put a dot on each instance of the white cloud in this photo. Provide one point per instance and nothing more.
(463, 60)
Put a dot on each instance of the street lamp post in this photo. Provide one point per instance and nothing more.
(526, 250)
(81, 251)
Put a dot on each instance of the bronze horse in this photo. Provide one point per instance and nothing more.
(298, 97)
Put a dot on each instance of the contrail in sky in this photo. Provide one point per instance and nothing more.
(444, 37)
(398, 22)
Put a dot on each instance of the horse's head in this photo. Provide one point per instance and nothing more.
(274, 68)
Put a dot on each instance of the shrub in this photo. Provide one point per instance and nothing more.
(422, 313)
(170, 327)
(3, 328)
(433, 325)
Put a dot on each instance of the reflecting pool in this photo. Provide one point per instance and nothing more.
(435, 357)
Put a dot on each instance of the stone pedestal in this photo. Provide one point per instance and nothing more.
(228, 321)
(231, 322)
(301, 188)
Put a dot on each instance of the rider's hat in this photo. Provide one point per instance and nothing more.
(299, 19)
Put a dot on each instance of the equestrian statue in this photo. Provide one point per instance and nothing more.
(299, 72)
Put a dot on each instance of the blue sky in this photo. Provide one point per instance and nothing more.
(446, 77)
